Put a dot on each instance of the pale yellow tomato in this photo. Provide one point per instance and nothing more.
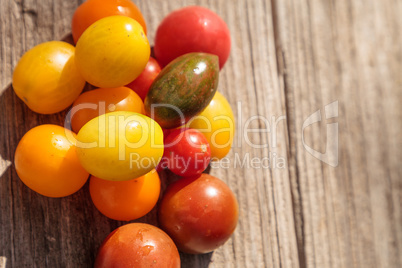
(216, 122)
(120, 145)
(46, 77)
(112, 52)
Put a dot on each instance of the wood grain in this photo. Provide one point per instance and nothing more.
(289, 59)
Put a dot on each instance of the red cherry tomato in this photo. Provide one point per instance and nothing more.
(142, 83)
(187, 152)
(93, 10)
(198, 213)
(137, 245)
(192, 29)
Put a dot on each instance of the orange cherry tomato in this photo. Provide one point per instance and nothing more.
(46, 161)
(103, 100)
(125, 200)
(93, 10)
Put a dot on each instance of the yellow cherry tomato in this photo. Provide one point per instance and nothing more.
(120, 145)
(46, 161)
(112, 52)
(216, 122)
(99, 101)
(125, 200)
(46, 77)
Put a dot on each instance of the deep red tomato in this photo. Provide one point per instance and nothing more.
(187, 152)
(138, 245)
(192, 29)
(93, 10)
(142, 83)
(198, 213)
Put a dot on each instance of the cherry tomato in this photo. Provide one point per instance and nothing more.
(187, 152)
(142, 83)
(138, 245)
(46, 161)
(112, 52)
(125, 200)
(216, 122)
(46, 77)
(96, 102)
(198, 213)
(192, 29)
(120, 145)
(93, 10)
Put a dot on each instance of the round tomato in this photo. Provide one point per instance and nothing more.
(187, 152)
(125, 200)
(46, 161)
(138, 245)
(192, 29)
(93, 10)
(143, 82)
(198, 213)
(112, 52)
(99, 101)
(216, 122)
(120, 145)
(46, 77)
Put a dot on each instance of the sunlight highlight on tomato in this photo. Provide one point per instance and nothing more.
(125, 200)
(93, 10)
(46, 161)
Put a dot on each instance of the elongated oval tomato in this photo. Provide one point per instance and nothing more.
(46, 77)
(99, 101)
(112, 52)
(125, 200)
(120, 145)
(217, 123)
(93, 10)
(46, 161)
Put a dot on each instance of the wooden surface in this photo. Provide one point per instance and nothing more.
(289, 59)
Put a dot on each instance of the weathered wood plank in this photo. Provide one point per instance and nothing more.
(350, 52)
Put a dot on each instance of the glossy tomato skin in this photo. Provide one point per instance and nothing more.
(125, 200)
(143, 82)
(112, 52)
(187, 152)
(46, 161)
(93, 10)
(120, 145)
(192, 29)
(99, 101)
(217, 124)
(46, 77)
(198, 213)
(137, 245)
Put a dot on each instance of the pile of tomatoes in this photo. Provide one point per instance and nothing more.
(111, 137)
